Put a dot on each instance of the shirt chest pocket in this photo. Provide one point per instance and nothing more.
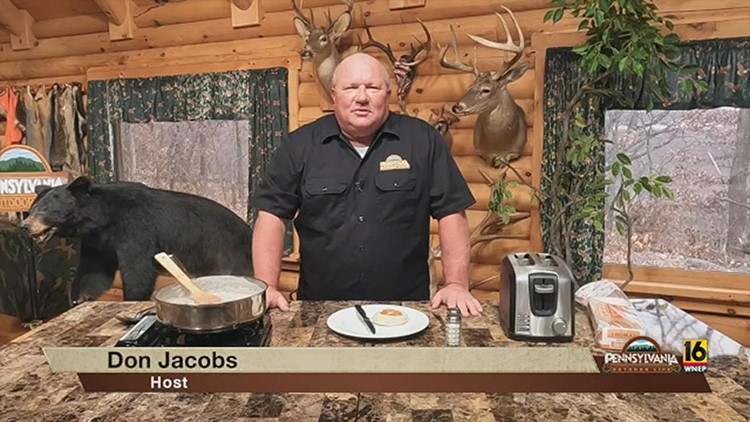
(397, 196)
(323, 203)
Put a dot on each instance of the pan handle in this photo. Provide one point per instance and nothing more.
(151, 310)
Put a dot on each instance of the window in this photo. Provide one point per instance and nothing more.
(707, 155)
(207, 158)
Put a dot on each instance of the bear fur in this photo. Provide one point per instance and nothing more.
(123, 225)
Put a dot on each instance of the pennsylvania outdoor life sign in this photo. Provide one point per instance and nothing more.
(22, 169)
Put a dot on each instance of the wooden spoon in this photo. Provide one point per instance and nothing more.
(199, 295)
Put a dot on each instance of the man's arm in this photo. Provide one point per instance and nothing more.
(454, 243)
(277, 200)
(268, 245)
(449, 197)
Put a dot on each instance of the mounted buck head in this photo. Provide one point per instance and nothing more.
(405, 67)
(442, 120)
(321, 42)
(500, 131)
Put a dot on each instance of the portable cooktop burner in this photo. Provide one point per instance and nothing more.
(149, 332)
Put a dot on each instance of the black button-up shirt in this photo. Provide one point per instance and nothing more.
(363, 222)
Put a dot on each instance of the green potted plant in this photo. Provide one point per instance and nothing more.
(629, 50)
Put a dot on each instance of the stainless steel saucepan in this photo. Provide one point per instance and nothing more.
(243, 300)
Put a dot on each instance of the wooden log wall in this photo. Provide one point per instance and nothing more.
(73, 43)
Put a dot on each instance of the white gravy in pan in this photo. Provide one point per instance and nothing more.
(228, 288)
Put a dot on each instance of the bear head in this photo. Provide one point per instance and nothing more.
(57, 210)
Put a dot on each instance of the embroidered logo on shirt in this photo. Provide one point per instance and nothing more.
(394, 162)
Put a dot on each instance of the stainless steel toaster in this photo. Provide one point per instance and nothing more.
(537, 298)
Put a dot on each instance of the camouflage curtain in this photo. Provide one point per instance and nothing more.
(258, 96)
(34, 279)
(560, 86)
(725, 64)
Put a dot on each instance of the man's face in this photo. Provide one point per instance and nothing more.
(360, 98)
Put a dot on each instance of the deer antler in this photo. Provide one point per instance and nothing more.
(438, 114)
(441, 114)
(491, 227)
(509, 45)
(422, 48)
(310, 23)
(372, 43)
(349, 8)
(457, 64)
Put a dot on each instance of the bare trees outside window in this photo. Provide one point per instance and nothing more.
(207, 158)
(707, 154)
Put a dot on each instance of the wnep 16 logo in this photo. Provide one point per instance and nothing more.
(695, 355)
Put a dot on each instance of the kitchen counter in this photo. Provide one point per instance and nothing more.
(29, 391)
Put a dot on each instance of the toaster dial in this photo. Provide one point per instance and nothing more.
(559, 326)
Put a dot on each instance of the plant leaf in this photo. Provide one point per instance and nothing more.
(637, 188)
(548, 15)
(557, 15)
(615, 168)
(664, 179)
(620, 228)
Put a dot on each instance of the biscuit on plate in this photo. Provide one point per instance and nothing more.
(390, 317)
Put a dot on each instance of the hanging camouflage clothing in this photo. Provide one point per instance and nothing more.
(45, 101)
(34, 131)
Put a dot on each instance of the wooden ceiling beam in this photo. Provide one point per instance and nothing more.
(116, 10)
(246, 13)
(120, 13)
(18, 22)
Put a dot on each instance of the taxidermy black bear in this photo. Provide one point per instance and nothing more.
(123, 225)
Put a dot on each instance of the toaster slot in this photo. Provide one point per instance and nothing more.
(524, 259)
(543, 294)
(548, 260)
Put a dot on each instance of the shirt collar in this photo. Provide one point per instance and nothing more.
(332, 130)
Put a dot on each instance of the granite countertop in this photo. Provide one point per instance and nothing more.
(29, 391)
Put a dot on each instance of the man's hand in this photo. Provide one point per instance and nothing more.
(274, 299)
(455, 244)
(457, 296)
(268, 242)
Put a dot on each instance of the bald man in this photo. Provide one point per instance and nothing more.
(363, 184)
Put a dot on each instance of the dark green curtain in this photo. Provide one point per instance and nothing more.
(724, 64)
(586, 243)
(259, 96)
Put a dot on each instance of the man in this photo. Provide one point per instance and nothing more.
(365, 182)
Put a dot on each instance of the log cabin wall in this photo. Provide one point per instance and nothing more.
(197, 36)
(75, 41)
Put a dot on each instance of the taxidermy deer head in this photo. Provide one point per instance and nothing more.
(405, 67)
(442, 121)
(321, 42)
(500, 131)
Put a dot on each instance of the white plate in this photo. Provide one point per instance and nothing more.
(347, 322)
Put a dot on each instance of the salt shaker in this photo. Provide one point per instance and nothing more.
(453, 328)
